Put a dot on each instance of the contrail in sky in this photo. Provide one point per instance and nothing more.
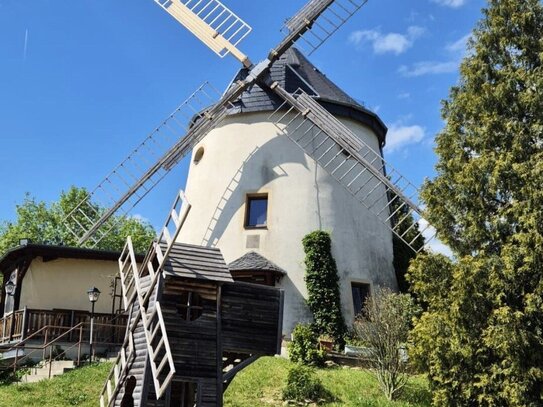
(26, 45)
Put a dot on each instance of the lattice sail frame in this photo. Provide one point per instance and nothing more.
(130, 181)
(360, 169)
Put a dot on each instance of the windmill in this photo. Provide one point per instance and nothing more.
(358, 167)
(173, 275)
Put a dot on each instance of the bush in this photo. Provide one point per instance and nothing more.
(384, 327)
(304, 385)
(304, 347)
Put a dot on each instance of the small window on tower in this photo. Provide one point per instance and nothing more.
(360, 293)
(256, 212)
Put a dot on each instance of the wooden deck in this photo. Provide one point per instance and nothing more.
(18, 325)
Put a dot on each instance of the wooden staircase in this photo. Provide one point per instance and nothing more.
(146, 342)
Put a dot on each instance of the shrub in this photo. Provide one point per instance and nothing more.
(304, 347)
(384, 327)
(304, 385)
(321, 278)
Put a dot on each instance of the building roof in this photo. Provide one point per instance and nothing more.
(197, 262)
(255, 261)
(292, 71)
(52, 252)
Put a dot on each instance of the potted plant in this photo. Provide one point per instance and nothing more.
(326, 342)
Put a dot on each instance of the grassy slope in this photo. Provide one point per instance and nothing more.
(261, 384)
(258, 385)
(80, 387)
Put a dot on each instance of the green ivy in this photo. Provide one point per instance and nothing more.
(322, 279)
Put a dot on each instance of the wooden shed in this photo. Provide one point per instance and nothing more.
(215, 326)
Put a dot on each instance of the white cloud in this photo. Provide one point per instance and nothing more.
(387, 43)
(434, 244)
(460, 46)
(451, 3)
(399, 136)
(428, 68)
(404, 95)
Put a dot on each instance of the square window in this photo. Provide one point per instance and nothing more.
(360, 292)
(256, 215)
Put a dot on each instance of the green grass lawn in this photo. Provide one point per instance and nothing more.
(79, 387)
(260, 384)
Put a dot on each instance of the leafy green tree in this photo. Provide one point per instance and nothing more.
(383, 328)
(322, 283)
(44, 223)
(481, 337)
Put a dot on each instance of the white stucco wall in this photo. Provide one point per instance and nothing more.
(246, 155)
(63, 284)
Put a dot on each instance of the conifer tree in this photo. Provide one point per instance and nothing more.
(481, 337)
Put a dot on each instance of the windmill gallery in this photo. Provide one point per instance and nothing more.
(289, 152)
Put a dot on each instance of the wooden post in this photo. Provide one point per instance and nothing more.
(4, 327)
(23, 328)
(79, 345)
(50, 360)
(72, 320)
(44, 343)
(219, 390)
(12, 327)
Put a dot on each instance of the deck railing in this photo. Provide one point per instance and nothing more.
(20, 324)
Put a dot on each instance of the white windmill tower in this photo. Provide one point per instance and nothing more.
(252, 191)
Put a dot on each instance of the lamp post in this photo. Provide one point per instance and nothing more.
(94, 294)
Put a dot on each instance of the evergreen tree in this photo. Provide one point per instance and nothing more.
(481, 337)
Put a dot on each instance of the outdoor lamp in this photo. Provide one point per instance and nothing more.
(93, 293)
(10, 288)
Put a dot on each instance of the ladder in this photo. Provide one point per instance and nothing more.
(354, 164)
(150, 313)
(119, 371)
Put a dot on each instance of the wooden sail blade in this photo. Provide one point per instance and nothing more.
(212, 23)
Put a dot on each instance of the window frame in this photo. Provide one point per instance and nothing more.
(355, 284)
(255, 196)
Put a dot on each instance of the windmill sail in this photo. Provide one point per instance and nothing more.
(316, 22)
(354, 164)
(213, 23)
(145, 166)
(128, 183)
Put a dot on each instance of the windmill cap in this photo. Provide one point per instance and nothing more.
(293, 71)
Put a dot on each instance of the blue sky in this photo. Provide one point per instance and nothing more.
(83, 82)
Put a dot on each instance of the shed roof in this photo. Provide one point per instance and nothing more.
(255, 261)
(292, 71)
(197, 262)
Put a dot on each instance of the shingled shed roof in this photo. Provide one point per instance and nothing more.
(197, 262)
(293, 71)
(254, 261)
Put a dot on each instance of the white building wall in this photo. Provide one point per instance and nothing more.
(63, 284)
(247, 155)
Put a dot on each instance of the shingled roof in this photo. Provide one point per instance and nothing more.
(197, 262)
(293, 71)
(255, 261)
